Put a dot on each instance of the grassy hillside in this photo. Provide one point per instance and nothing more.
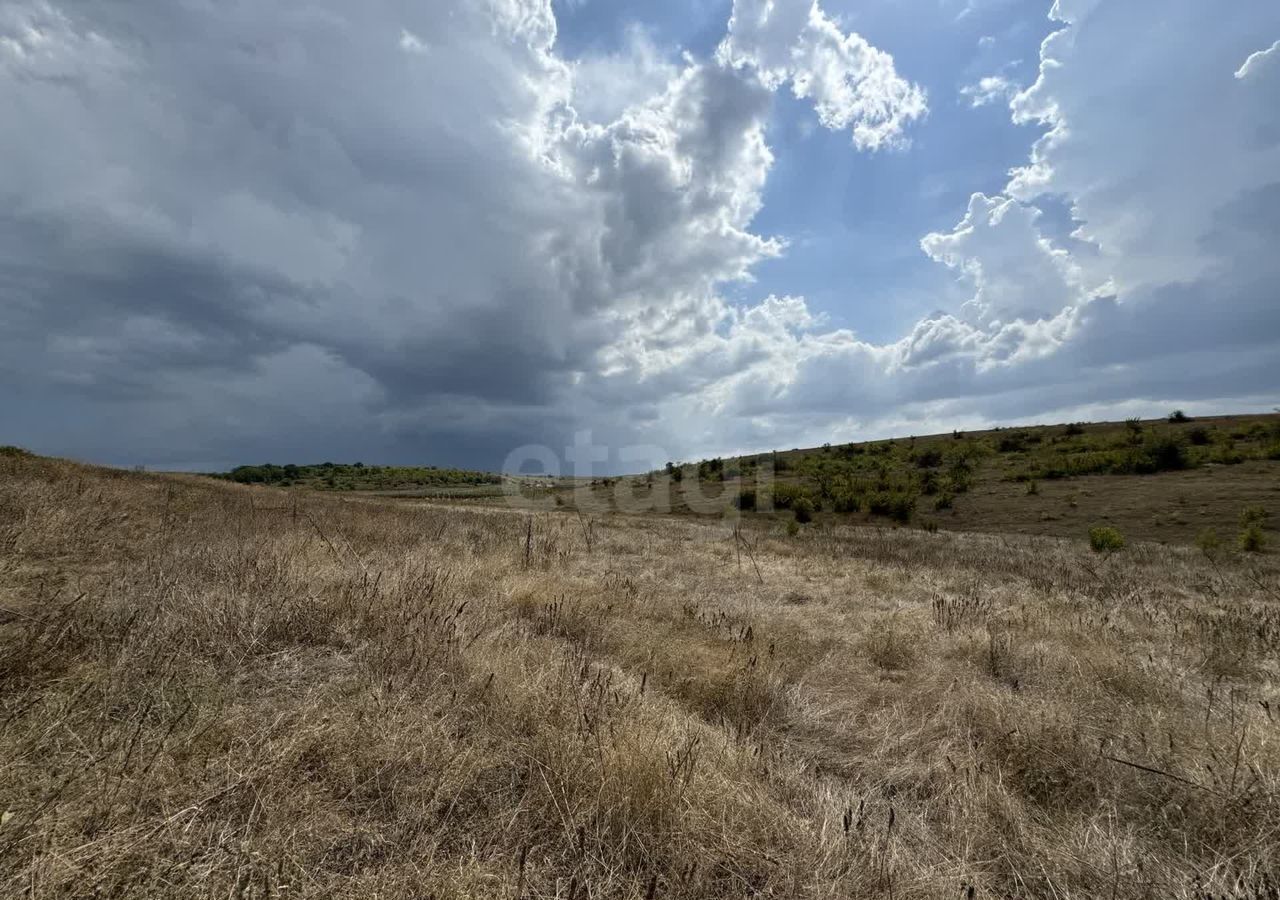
(206, 690)
(1160, 480)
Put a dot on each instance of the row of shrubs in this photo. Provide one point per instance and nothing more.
(1158, 453)
(346, 476)
(897, 505)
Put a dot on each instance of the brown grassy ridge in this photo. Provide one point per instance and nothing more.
(213, 690)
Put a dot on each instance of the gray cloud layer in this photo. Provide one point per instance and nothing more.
(304, 230)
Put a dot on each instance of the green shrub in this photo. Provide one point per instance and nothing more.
(1178, 417)
(1013, 443)
(1200, 436)
(745, 501)
(929, 483)
(803, 508)
(1253, 515)
(929, 525)
(944, 501)
(1165, 453)
(1208, 541)
(929, 459)
(1105, 539)
(793, 527)
(1273, 452)
(846, 502)
(1075, 429)
(787, 495)
(10, 450)
(711, 469)
(1227, 455)
(902, 507)
(1252, 540)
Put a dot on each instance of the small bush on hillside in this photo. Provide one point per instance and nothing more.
(1165, 453)
(803, 508)
(1178, 417)
(1075, 429)
(1253, 515)
(1200, 436)
(929, 483)
(846, 502)
(1105, 539)
(944, 501)
(785, 496)
(746, 501)
(793, 528)
(1208, 542)
(10, 450)
(1273, 452)
(1013, 442)
(1252, 540)
(894, 504)
(1227, 455)
(929, 459)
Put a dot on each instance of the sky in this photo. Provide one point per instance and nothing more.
(472, 232)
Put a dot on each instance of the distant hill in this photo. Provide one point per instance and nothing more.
(1162, 480)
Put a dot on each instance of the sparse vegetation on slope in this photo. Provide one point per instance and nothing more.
(209, 689)
(1163, 480)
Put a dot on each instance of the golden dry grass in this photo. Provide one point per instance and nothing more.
(207, 690)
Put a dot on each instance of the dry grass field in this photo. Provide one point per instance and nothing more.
(210, 690)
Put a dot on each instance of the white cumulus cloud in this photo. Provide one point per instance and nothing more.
(851, 83)
(989, 89)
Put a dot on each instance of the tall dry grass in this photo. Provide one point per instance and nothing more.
(209, 690)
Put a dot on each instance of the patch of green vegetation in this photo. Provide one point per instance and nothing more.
(895, 478)
(803, 509)
(1252, 540)
(1105, 539)
(1208, 542)
(329, 476)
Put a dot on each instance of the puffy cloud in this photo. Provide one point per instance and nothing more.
(1144, 182)
(1016, 272)
(605, 84)
(989, 89)
(851, 83)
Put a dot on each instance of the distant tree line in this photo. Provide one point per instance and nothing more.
(355, 476)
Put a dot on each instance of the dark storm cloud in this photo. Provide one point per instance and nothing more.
(306, 230)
